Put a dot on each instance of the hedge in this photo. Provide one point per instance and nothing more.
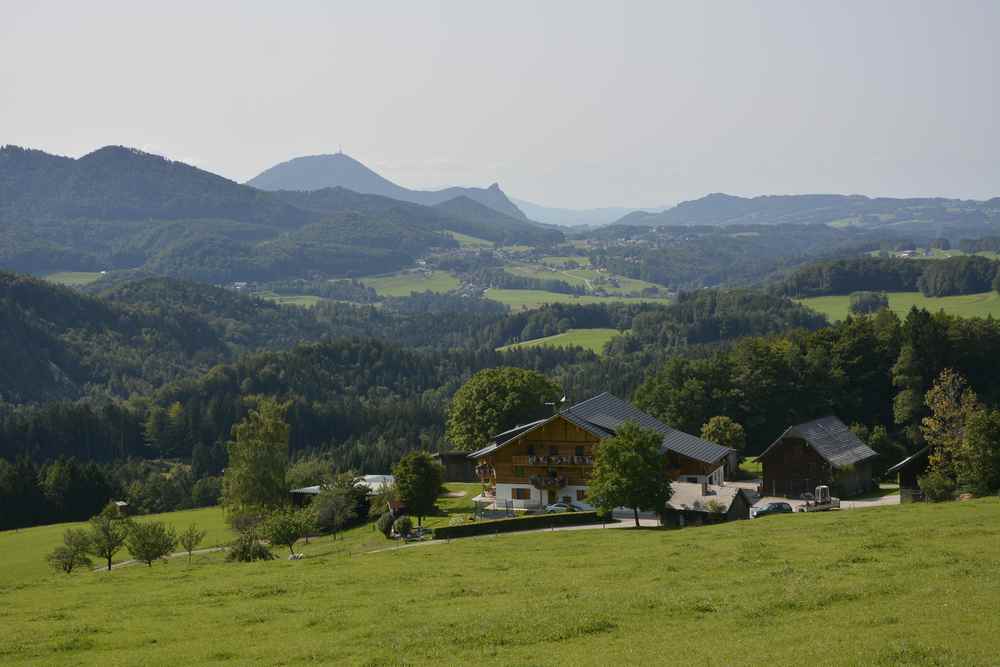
(532, 522)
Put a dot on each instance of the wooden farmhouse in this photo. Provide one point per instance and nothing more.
(823, 451)
(551, 459)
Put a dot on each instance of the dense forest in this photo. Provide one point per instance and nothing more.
(933, 277)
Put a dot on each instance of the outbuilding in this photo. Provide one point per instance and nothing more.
(822, 451)
(700, 504)
(909, 471)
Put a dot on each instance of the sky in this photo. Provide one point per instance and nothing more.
(574, 104)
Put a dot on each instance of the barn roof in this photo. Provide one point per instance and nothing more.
(603, 415)
(831, 439)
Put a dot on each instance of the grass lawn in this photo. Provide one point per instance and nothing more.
(23, 551)
(304, 300)
(401, 284)
(965, 305)
(912, 584)
(526, 299)
(73, 278)
(591, 339)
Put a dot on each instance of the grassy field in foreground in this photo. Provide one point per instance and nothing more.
(22, 552)
(526, 299)
(401, 284)
(591, 339)
(73, 278)
(911, 584)
(966, 305)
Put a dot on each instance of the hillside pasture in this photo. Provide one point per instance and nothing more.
(523, 299)
(837, 307)
(466, 241)
(590, 339)
(73, 278)
(302, 300)
(405, 282)
(910, 584)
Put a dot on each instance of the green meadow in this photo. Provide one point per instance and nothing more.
(591, 339)
(526, 299)
(401, 284)
(73, 278)
(466, 241)
(304, 300)
(898, 585)
(965, 305)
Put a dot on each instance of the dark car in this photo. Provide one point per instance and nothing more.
(770, 508)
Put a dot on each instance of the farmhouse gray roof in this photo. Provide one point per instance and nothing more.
(603, 415)
(831, 439)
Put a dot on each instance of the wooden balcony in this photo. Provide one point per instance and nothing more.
(556, 461)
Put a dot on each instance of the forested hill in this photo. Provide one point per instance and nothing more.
(461, 215)
(118, 183)
(722, 209)
(316, 172)
(59, 343)
(119, 208)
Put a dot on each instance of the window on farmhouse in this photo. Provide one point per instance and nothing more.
(519, 471)
(581, 494)
(531, 450)
(579, 451)
(553, 451)
(521, 494)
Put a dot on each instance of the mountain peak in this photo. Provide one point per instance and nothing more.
(331, 170)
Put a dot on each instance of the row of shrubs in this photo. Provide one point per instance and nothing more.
(532, 522)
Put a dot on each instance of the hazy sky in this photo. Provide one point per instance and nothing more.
(564, 103)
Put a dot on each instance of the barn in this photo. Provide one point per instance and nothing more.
(822, 451)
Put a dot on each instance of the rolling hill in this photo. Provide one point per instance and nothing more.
(462, 214)
(839, 210)
(119, 208)
(316, 172)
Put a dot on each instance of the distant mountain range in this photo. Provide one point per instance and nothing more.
(571, 217)
(316, 172)
(855, 210)
(119, 208)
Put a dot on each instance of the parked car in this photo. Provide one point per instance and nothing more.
(770, 508)
(563, 507)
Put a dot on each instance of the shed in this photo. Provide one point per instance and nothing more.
(698, 504)
(822, 451)
(458, 467)
(909, 470)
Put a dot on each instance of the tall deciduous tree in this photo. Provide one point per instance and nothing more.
(950, 401)
(629, 472)
(418, 480)
(494, 400)
(108, 532)
(258, 460)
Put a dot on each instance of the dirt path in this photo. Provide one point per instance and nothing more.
(179, 554)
